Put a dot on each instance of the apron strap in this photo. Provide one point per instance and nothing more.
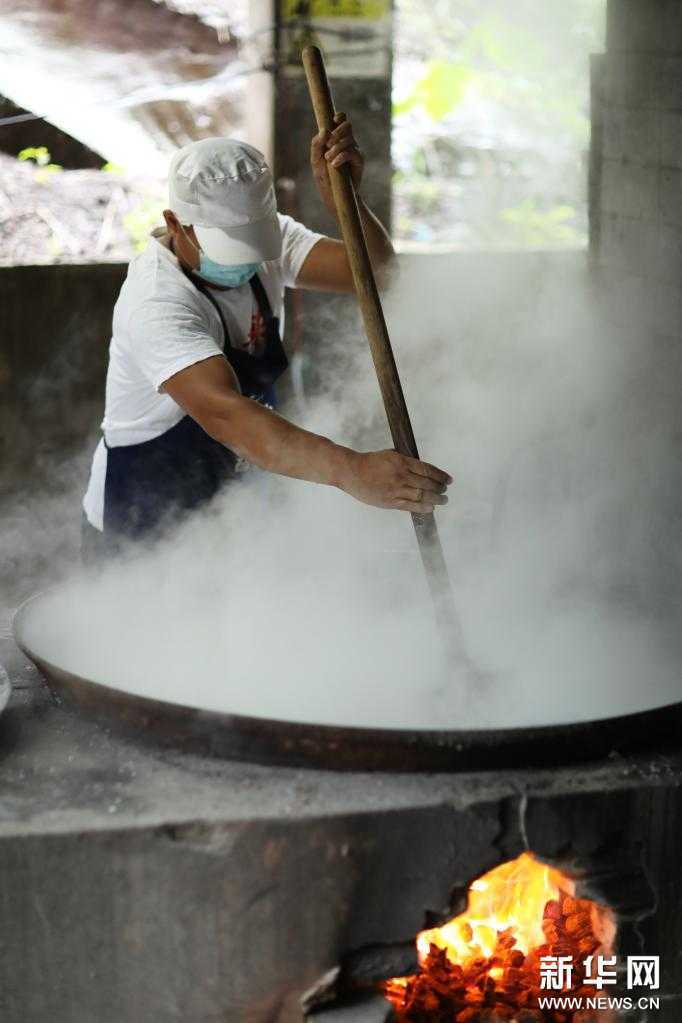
(262, 300)
(256, 375)
(203, 288)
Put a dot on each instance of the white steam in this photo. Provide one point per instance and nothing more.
(562, 536)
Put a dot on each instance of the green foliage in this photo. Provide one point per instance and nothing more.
(533, 227)
(40, 155)
(524, 65)
(112, 168)
(423, 193)
(54, 247)
(439, 90)
(140, 221)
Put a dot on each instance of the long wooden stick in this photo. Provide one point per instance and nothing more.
(346, 202)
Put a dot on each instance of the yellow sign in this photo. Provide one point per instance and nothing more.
(369, 10)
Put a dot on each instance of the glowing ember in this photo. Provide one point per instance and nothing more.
(485, 963)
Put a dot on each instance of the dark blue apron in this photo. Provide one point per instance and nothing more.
(152, 485)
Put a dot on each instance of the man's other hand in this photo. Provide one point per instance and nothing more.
(334, 148)
(387, 479)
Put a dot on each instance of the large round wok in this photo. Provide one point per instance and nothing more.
(295, 743)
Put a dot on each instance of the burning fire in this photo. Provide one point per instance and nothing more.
(485, 963)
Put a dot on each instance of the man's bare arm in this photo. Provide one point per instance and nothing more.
(326, 267)
(208, 391)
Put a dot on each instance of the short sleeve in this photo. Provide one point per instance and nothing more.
(297, 241)
(167, 336)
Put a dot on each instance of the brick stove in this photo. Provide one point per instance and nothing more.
(599, 839)
(145, 883)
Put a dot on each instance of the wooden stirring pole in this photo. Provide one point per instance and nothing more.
(346, 202)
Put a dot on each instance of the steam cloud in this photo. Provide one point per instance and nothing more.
(562, 534)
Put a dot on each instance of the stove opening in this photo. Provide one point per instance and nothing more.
(524, 938)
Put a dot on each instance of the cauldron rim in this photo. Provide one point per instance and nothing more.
(348, 747)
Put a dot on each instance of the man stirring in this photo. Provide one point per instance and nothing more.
(196, 351)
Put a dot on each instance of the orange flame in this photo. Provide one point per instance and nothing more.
(488, 960)
(512, 895)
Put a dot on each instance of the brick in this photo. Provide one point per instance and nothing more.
(670, 196)
(631, 134)
(629, 189)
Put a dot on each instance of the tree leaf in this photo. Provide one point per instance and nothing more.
(440, 89)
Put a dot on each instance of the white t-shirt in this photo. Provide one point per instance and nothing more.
(163, 324)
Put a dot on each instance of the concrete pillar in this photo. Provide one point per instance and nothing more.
(355, 36)
(597, 75)
(259, 52)
(640, 142)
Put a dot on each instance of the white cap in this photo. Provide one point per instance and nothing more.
(223, 188)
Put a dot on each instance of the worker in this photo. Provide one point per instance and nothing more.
(196, 351)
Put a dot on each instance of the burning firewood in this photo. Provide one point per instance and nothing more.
(485, 965)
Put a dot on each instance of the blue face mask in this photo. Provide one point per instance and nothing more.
(225, 276)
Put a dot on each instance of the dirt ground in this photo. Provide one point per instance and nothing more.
(72, 216)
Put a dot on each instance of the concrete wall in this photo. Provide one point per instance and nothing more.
(367, 100)
(640, 136)
(55, 325)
